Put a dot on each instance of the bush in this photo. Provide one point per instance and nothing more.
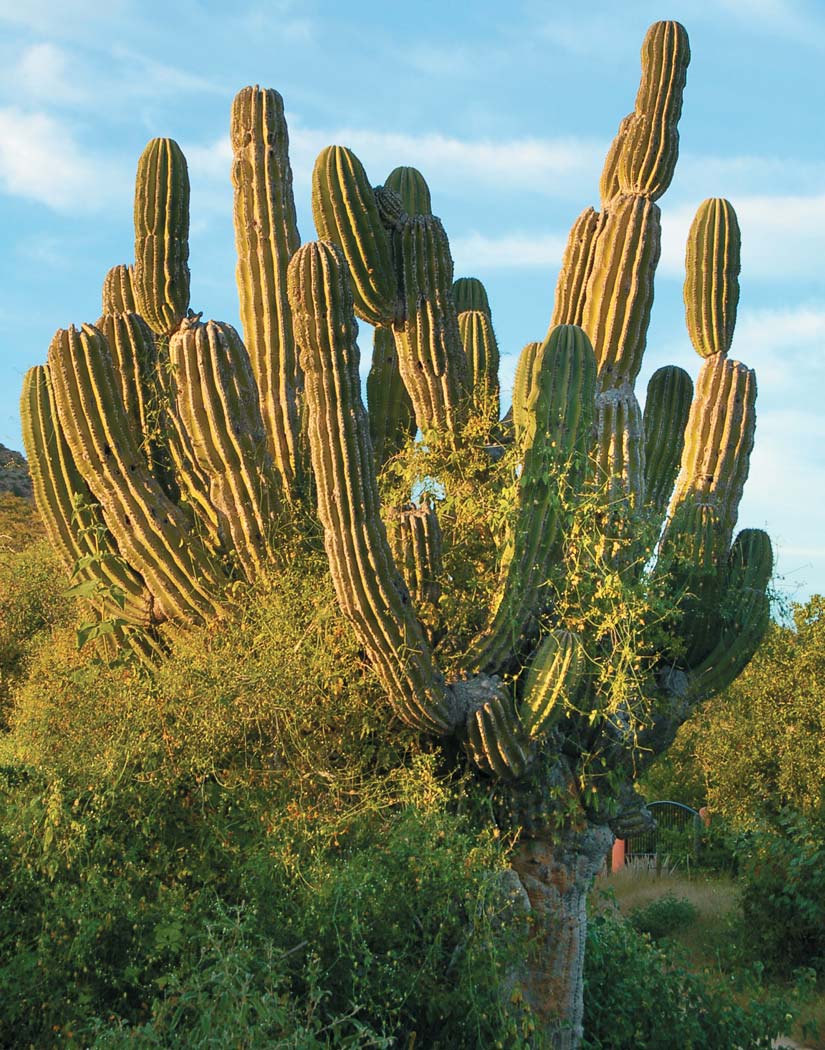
(783, 896)
(638, 994)
(164, 838)
(663, 916)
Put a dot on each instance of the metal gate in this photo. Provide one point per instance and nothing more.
(675, 838)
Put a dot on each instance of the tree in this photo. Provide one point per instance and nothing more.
(524, 608)
(756, 750)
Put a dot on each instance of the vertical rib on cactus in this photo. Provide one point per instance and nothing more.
(430, 354)
(149, 529)
(161, 273)
(554, 676)
(712, 277)
(56, 482)
(609, 181)
(496, 740)
(391, 415)
(412, 188)
(118, 291)
(346, 213)
(481, 350)
(618, 458)
(556, 439)
(524, 384)
(266, 237)
(414, 536)
(619, 293)
(667, 407)
(745, 614)
(718, 440)
(648, 155)
(576, 265)
(135, 358)
(218, 404)
(367, 583)
(470, 294)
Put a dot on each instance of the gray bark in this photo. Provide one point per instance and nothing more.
(557, 877)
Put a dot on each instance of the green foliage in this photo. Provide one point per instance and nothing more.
(756, 749)
(32, 602)
(638, 994)
(783, 895)
(663, 916)
(222, 848)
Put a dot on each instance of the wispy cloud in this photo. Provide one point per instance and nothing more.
(782, 236)
(475, 251)
(41, 159)
(551, 166)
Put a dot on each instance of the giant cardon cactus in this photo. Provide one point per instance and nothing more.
(622, 598)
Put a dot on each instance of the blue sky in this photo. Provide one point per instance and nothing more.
(506, 108)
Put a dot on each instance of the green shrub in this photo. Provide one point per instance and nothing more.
(783, 895)
(638, 994)
(162, 837)
(663, 916)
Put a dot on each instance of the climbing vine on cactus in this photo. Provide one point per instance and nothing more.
(569, 587)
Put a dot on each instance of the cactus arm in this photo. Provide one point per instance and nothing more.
(481, 351)
(118, 291)
(609, 181)
(370, 591)
(553, 678)
(711, 290)
(161, 273)
(412, 188)
(619, 294)
(430, 354)
(218, 405)
(524, 385)
(667, 406)
(651, 143)
(414, 536)
(266, 237)
(391, 415)
(345, 212)
(148, 528)
(576, 266)
(556, 440)
(496, 740)
(718, 440)
(470, 294)
(56, 482)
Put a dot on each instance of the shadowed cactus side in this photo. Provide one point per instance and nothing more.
(621, 596)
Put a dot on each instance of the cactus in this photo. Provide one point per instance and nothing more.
(187, 453)
(161, 274)
(712, 277)
(413, 190)
(118, 291)
(391, 415)
(266, 236)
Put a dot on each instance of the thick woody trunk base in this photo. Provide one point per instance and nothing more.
(557, 878)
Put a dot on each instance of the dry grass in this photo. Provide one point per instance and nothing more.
(708, 942)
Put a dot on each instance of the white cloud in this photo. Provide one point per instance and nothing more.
(551, 166)
(782, 236)
(41, 160)
(783, 345)
(478, 252)
(44, 74)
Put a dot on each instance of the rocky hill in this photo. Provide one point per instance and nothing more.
(14, 473)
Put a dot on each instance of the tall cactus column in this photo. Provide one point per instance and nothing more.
(266, 236)
(367, 583)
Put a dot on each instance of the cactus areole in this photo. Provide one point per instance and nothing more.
(200, 455)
